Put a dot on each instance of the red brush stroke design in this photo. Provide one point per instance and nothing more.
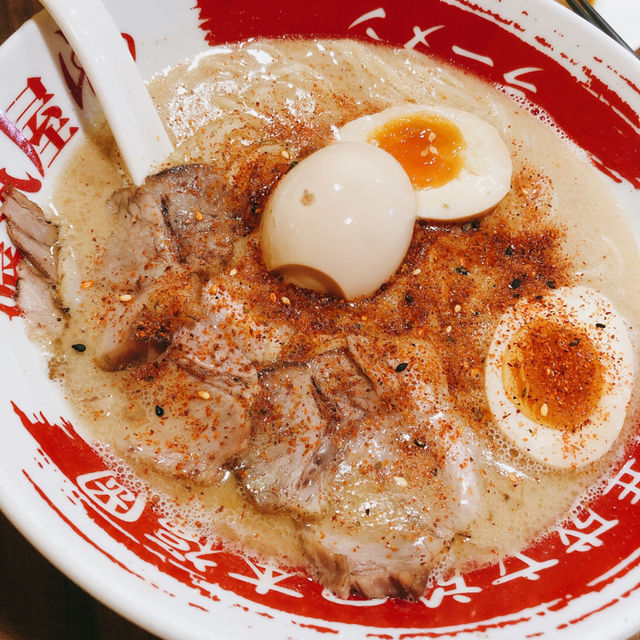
(9, 258)
(583, 111)
(75, 529)
(198, 565)
(20, 140)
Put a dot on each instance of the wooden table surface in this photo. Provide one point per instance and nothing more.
(38, 602)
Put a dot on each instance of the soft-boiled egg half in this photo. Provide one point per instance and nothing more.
(559, 376)
(458, 164)
(340, 221)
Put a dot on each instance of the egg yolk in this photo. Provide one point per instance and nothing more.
(553, 374)
(427, 146)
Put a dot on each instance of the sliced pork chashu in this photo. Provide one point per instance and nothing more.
(181, 424)
(171, 235)
(355, 446)
(36, 238)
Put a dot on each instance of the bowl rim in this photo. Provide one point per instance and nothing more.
(163, 620)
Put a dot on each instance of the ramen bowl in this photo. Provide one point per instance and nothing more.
(581, 578)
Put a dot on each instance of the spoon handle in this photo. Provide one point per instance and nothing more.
(127, 105)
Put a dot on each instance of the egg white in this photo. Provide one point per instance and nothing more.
(485, 177)
(581, 308)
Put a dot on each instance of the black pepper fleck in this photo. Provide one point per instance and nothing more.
(474, 225)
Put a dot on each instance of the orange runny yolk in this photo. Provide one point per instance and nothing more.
(427, 146)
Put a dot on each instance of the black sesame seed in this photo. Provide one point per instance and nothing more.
(159, 411)
(600, 325)
(462, 271)
(574, 343)
(435, 471)
(538, 297)
(515, 283)
(551, 284)
(79, 347)
(408, 298)
(367, 511)
(419, 443)
(402, 366)
(508, 251)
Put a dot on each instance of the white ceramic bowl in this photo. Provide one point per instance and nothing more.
(581, 579)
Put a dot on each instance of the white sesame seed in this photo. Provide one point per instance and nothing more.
(457, 308)
(205, 395)
(416, 272)
(285, 300)
(400, 481)
(449, 329)
(544, 410)
(233, 272)
(125, 297)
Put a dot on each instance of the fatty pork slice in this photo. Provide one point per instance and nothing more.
(170, 235)
(229, 343)
(32, 233)
(191, 207)
(36, 238)
(181, 424)
(363, 449)
(405, 483)
(284, 467)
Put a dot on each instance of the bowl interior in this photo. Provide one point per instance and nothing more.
(66, 500)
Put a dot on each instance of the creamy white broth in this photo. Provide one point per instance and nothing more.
(285, 99)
